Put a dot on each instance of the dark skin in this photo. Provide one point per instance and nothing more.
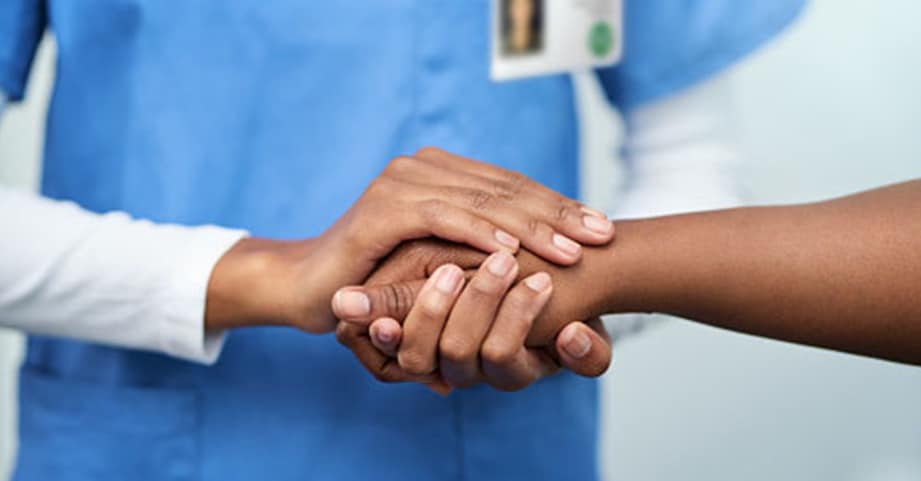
(433, 193)
(843, 274)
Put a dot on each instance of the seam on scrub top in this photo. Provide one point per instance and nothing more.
(414, 75)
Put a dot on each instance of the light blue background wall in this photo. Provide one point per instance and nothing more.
(832, 108)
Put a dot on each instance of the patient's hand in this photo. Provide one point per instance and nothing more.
(511, 325)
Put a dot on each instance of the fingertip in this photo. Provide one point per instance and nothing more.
(598, 226)
(583, 350)
(448, 279)
(594, 212)
(385, 334)
(595, 228)
(502, 265)
(390, 327)
(539, 282)
(553, 255)
(454, 269)
(569, 248)
(507, 241)
(351, 304)
(440, 388)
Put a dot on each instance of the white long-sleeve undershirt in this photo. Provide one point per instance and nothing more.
(107, 278)
(681, 155)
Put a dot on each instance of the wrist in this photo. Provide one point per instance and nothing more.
(651, 266)
(261, 282)
(249, 285)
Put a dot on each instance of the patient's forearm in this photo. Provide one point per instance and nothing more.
(843, 274)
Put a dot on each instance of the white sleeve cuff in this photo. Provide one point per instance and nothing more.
(681, 154)
(183, 333)
(108, 278)
(623, 326)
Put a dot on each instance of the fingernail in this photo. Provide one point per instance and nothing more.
(597, 224)
(594, 212)
(538, 282)
(578, 345)
(448, 279)
(352, 303)
(507, 239)
(566, 244)
(384, 336)
(500, 264)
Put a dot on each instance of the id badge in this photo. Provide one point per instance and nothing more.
(541, 37)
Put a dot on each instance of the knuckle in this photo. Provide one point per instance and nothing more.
(415, 363)
(562, 213)
(429, 151)
(498, 353)
(344, 335)
(455, 349)
(382, 376)
(387, 374)
(536, 227)
(397, 298)
(505, 190)
(481, 200)
(511, 186)
(382, 186)
(401, 165)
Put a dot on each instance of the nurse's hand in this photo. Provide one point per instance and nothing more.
(456, 336)
(438, 194)
(431, 194)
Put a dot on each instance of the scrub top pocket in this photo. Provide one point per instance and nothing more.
(98, 432)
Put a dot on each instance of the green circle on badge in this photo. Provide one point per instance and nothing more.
(601, 39)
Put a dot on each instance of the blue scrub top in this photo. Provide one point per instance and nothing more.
(273, 116)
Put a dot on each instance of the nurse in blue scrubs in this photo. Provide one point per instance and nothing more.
(273, 117)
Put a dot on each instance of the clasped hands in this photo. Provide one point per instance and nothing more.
(451, 316)
(459, 273)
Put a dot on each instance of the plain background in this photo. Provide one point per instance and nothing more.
(831, 108)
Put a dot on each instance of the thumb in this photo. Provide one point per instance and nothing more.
(363, 304)
(585, 348)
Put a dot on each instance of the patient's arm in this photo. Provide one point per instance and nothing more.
(843, 274)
